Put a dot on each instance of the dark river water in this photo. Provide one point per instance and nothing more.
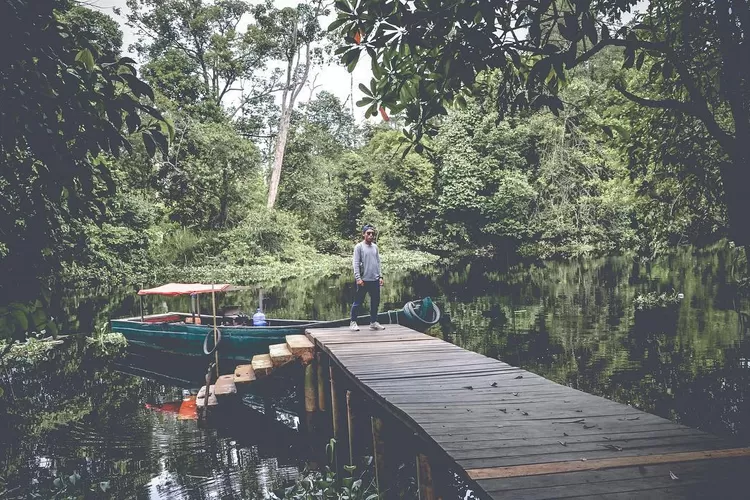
(574, 322)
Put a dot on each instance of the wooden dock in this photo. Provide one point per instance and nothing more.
(514, 434)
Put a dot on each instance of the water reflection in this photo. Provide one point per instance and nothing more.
(573, 322)
(79, 413)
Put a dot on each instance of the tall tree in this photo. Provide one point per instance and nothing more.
(301, 32)
(426, 54)
(61, 110)
(205, 42)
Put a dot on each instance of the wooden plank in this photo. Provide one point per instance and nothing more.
(633, 488)
(301, 347)
(604, 463)
(529, 448)
(707, 469)
(280, 354)
(262, 365)
(538, 436)
(225, 386)
(200, 399)
(244, 374)
(519, 458)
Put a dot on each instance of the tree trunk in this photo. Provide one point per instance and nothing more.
(278, 156)
(737, 198)
(224, 199)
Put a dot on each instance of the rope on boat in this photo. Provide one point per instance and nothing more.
(390, 319)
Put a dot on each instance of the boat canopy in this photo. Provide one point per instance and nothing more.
(187, 289)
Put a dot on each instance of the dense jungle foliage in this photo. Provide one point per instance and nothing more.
(115, 176)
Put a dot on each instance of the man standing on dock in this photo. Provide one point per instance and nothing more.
(368, 276)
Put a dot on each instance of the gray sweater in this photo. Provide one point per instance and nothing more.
(366, 262)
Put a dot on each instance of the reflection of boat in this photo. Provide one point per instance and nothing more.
(193, 333)
(185, 409)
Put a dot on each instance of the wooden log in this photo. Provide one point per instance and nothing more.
(225, 386)
(244, 374)
(200, 399)
(280, 354)
(301, 348)
(262, 365)
(424, 478)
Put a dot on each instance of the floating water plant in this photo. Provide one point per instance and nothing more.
(654, 300)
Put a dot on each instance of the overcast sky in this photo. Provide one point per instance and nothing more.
(334, 79)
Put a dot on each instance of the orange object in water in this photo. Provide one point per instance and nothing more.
(357, 37)
(384, 114)
(171, 407)
(188, 409)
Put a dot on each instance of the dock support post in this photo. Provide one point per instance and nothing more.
(350, 425)
(424, 478)
(310, 396)
(338, 400)
(382, 473)
(321, 382)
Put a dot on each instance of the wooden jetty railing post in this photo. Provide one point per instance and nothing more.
(424, 478)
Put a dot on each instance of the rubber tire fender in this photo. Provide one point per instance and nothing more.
(411, 314)
(205, 342)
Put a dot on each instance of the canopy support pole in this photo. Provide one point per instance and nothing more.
(141, 297)
(216, 336)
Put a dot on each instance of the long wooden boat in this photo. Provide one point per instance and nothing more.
(193, 334)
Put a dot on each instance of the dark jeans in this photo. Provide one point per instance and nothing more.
(373, 288)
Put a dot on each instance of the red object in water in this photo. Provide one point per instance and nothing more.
(171, 407)
(185, 409)
(384, 114)
(188, 409)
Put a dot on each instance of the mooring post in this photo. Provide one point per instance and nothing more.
(383, 478)
(424, 478)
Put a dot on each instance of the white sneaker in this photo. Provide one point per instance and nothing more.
(353, 326)
(376, 326)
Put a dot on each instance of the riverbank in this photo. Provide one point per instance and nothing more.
(267, 271)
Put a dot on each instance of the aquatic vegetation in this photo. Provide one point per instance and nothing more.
(326, 484)
(654, 300)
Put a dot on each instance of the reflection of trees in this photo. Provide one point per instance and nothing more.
(74, 412)
(574, 323)
(55, 402)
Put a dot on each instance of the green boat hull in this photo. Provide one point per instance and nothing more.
(238, 342)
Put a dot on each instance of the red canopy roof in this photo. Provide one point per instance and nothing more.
(185, 289)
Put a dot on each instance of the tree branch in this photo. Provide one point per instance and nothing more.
(618, 42)
(691, 109)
